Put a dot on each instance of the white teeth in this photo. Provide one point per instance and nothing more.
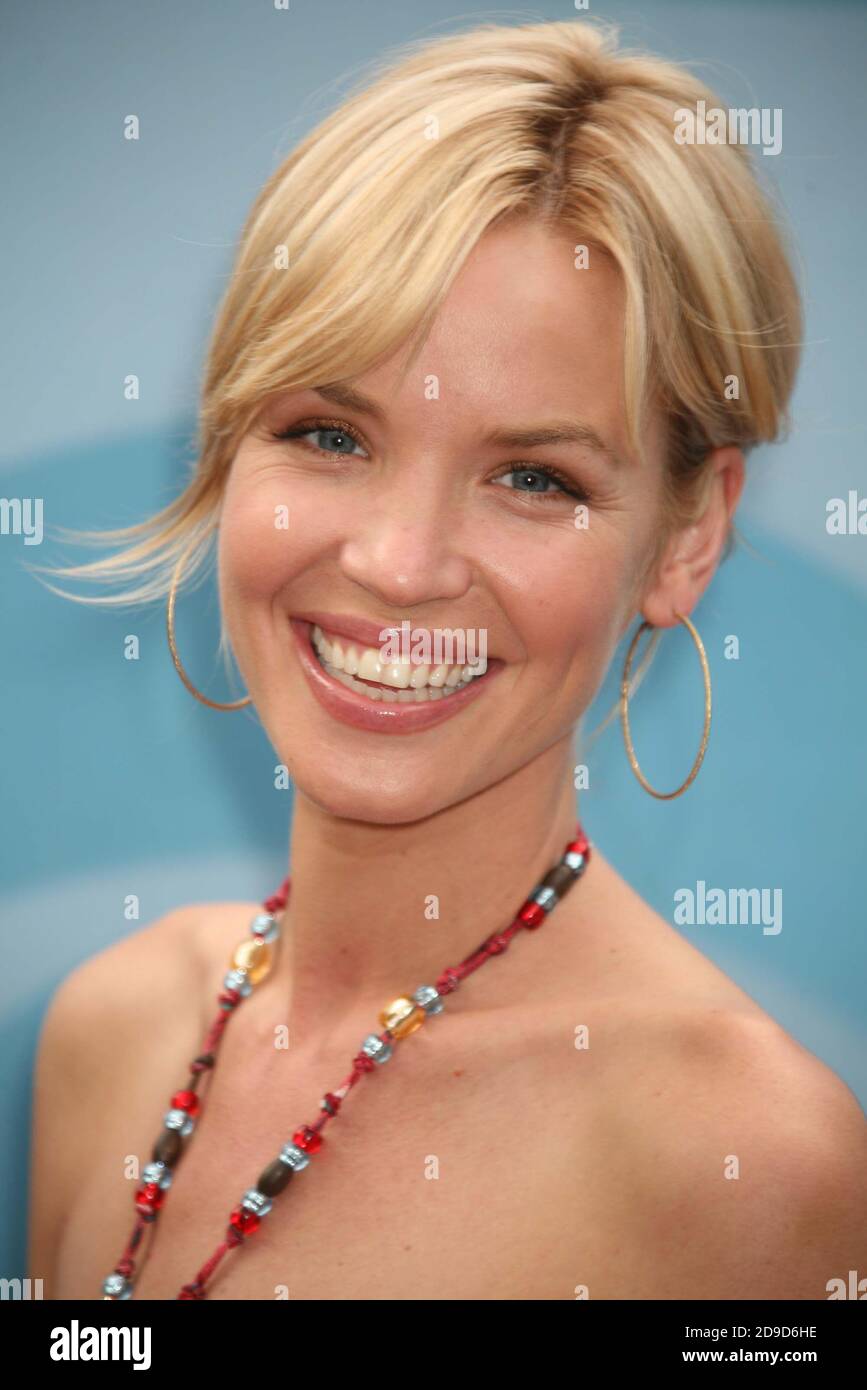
(374, 692)
(399, 681)
(419, 678)
(369, 665)
(397, 674)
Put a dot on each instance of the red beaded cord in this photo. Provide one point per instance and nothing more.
(244, 1222)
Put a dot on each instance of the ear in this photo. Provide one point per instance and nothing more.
(692, 554)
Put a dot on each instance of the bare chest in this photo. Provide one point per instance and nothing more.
(445, 1175)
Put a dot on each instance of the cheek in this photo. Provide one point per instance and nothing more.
(266, 537)
(574, 650)
(569, 593)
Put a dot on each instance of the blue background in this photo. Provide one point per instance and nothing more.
(114, 781)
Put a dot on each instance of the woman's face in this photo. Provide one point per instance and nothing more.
(414, 510)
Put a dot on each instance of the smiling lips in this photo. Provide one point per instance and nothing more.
(355, 687)
(360, 668)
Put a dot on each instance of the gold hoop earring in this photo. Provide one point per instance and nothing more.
(624, 711)
(170, 629)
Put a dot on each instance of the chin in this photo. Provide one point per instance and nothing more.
(363, 793)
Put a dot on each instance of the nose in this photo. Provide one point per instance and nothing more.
(404, 546)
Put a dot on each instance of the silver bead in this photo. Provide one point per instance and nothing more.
(179, 1120)
(116, 1286)
(574, 861)
(264, 924)
(430, 1000)
(157, 1172)
(256, 1201)
(293, 1157)
(377, 1049)
(545, 897)
(238, 980)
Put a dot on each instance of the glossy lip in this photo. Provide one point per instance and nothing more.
(373, 715)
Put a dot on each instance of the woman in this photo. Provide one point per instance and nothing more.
(493, 352)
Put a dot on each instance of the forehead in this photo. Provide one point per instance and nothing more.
(523, 329)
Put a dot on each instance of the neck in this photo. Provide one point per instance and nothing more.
(360, 929)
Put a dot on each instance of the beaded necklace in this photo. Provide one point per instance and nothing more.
(249, 966)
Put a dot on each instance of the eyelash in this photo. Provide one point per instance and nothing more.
(567, 484)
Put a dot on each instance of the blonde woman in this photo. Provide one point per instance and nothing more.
(469, 375)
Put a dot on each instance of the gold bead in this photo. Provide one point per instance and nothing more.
(402, 1016)
(254, 957)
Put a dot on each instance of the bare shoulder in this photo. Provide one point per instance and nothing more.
(94, 1023)
(745, 1159)
(114, 977)
(738, 1157)
(134, 975)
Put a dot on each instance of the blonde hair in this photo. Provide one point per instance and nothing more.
(353, 242)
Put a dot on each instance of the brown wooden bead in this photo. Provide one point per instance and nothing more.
(559, 878)
(275, 1177)
(167, 1148)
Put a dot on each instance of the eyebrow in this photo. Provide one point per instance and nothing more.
(558, 432)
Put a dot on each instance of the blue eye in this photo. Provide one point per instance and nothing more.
(541, 481)
(337, 435)
(341, 440)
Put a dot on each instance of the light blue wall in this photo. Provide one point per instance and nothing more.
(114, 780)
